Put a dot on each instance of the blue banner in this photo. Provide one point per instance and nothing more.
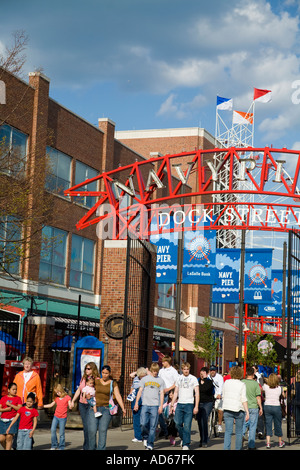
(199, 257)
(258, 276)
(227, 280)
(167, 255)
(275, 308)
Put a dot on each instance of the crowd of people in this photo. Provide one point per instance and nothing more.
(163, 400)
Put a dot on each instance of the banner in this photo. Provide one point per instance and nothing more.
(227, 279)
(199, 257)
(166, 256)
(275, 308)
(258, 276)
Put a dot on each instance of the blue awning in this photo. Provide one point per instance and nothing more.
(11, 341)
(64, 344)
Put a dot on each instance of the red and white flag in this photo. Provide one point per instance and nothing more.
(263, 96)
(242, 118)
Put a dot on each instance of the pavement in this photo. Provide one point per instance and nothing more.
(119, 440)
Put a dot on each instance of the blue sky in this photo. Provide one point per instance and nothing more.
(161, 63)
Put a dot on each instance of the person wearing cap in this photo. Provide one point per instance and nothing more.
(218, 382)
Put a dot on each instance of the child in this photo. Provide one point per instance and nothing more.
(62, 402)
(28, 422)
(152, 388)
(8, 413)
(169, 416)
(89, 390)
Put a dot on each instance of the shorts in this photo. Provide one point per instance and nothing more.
(4, 425)
(218, 403)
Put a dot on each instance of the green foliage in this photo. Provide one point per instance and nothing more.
(206, 344)
(266, 357)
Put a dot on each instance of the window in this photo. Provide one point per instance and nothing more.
(82, 173)
(53, 255)
(216, 311)
(13, 147)
(59, 175)
(167, 296)
(10, 244)
(82, 263)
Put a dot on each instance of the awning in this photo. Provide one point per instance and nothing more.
(160, 332)
(11, 341)
(185, 344)
(63, 345)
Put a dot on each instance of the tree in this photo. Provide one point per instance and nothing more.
(206, 344)
(14, 57)
(261, 351)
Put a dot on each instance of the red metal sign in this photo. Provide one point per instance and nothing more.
(246, 188)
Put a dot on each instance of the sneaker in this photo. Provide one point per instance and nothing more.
(149, 448)
(145, 443)
(281, 444)
(268, 446)
(172, 441)
(220, 428)
(136, 440)
(185, 448)
(98, 414)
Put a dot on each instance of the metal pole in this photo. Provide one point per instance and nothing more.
(178, 297)
(288, 350)
(241, 302)
(127, 275)
(283, 289)
(78, 315)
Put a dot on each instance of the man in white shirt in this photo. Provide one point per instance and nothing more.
(218, 381)
(169, 375)
(187, 391)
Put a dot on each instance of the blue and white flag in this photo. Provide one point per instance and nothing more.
(225, 104)
(227, 282)
(274, 309)
(199, 257)
(258, 276)
(166, 254)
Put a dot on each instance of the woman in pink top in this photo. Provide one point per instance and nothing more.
(62, 402)
(272, 409)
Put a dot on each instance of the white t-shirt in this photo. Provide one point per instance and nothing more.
(186, 387)
(169, 375)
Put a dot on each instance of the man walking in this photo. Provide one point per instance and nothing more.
(152, 388)
(218, 382)
(253, 394)
(169, 375)
(187, 391)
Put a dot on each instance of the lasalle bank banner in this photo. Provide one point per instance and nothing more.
(199, 257)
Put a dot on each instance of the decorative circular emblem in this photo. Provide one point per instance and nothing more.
(199, 248)
(114, 325)
(258, 275)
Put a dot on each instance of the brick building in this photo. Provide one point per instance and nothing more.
(76, 283)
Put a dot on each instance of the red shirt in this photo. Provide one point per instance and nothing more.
(27, 415)
(62, 406)
(15, 401)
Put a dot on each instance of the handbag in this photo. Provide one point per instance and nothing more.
(113, 408)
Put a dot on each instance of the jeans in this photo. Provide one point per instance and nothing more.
(202, 418)
(273, 414)
(87, 415)
(136, 420)
(61, 422)
(149, 420)
(183, 420)
(161, 418)
(101, 425)
(24, 441)
(229, 418)
(252, 425)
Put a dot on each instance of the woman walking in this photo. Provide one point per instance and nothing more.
(272, 409)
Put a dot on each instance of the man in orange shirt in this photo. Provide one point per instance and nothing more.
(28, 380)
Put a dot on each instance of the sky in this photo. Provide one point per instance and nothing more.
(162, 63)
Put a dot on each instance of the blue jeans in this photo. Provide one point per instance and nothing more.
(136, 420)
(61, 422)
(161, 418)
(24, 442)
(202, 418)
(87, 415)
(183, 420)
(149, 419)
(229, 418)
(273, 414)
(251, 424)
(101, 425)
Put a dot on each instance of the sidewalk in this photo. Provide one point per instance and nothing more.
(120, 439)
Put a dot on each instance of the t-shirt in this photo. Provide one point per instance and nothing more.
(272, 395)
(169, 375)
(15, 401)
(152, 386)
(186, 387)
(252, 391)
(26, 417)
(62, 406)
